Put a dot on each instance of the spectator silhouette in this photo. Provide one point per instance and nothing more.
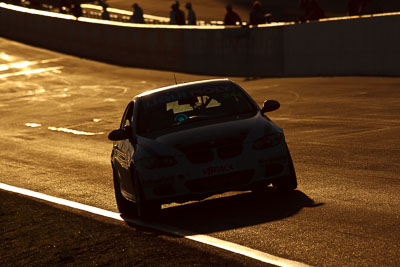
(76, 8)
(105, 14)
(257, 15)
(176, 15)
(371, 7)
(137, 16)
(36, 4)
(64, 6)
(357, 7)
(172, 14)
(353, 7)
(231, 16)
(14, 2)
(312, 10)
(191, 15)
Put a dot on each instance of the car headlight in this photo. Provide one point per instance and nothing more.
(158, 162)
(267, 141)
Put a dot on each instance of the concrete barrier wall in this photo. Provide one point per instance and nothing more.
(367, 46)
(204, 50)
(359, 46)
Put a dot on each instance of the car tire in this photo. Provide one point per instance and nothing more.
(125, 206)
(145, 209)
(287, 183)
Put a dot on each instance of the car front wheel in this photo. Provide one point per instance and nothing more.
(125, 206)
(287, 183)
(145, 209)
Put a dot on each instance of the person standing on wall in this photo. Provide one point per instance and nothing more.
(312, 10)
(105, 14)
(76, 8)
(231, 17)
(357, 7)
(177, 16)
(371, 7)
(36, 4)
(257, 15)
(137, 16)
(172, 14)
(353, 7)
(191, 14)
(64, 5)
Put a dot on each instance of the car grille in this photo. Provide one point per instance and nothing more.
(200, 156)
(203, 152)
(222, 181)
(229, 151)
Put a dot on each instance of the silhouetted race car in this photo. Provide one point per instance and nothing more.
(193, 140)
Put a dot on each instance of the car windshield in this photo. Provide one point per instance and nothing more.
(179, 107)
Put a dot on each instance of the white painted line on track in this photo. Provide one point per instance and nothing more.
(209, 240)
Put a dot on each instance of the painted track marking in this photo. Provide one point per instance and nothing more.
(209, 240)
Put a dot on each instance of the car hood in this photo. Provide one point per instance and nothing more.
(210, 135)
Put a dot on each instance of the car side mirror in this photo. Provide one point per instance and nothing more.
(270, 105)
(120, 134)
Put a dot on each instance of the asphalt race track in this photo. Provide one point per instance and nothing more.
(343, 132)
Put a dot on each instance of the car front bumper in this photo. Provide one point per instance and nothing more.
(188, 181)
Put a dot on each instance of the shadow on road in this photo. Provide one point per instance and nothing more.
(236, 211)
(37, 233)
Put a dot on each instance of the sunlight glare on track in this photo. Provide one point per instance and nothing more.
(30, 72)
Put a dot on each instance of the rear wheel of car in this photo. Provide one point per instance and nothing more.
(145, 209)
(125, 206)
(287, 183)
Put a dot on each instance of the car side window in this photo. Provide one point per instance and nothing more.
(128, 114)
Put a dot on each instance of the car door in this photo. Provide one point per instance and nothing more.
(123, 152)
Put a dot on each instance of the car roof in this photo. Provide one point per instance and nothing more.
(187, 85)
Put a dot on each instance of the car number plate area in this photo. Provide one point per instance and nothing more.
(219, 169)
(220, 181)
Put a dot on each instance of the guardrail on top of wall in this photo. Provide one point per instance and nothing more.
(366, 45)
